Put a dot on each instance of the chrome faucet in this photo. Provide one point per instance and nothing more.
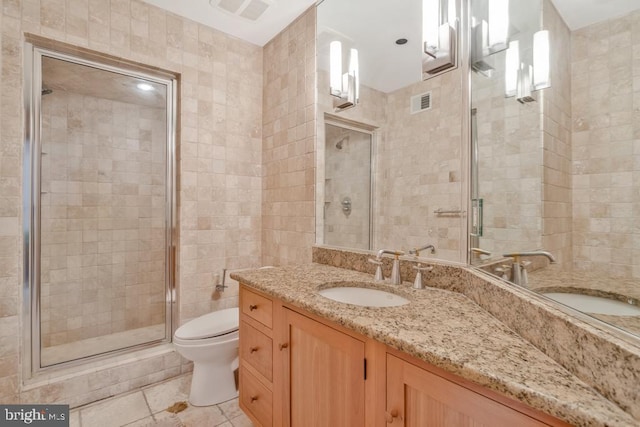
(416, 251)
(519, 270)
(395, 271)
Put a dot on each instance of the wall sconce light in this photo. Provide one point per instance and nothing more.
(541, 76)
(344, 86)
(512, 66)
(439, 36)
(521, 80)
(490, 37)
(498, 25)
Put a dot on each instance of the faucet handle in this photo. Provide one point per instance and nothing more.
(379, 277)
(418, 283)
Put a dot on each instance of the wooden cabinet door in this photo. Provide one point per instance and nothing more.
(416, 397)
(323, 375)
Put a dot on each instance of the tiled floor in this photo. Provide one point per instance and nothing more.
(147, 408)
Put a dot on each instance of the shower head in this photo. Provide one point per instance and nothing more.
(339, 143)
(46, 91)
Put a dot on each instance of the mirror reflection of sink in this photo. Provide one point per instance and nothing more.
(593, 304)
(365, 297)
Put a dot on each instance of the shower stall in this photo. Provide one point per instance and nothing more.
(99, 208)
(347, 215)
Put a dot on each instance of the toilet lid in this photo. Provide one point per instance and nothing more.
(210, 325)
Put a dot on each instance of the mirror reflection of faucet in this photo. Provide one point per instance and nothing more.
(519, 268)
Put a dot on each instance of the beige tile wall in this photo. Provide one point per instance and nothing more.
(509, 159)
(605, 100)
(102, 217)
(289, 129)
(556, 141)
(418, 169)
(220, 160)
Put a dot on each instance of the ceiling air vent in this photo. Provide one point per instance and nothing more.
(420, 102)
(248, 9)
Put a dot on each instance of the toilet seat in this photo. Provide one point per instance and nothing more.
(211, 325)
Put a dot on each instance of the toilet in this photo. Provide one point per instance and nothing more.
(211, 342)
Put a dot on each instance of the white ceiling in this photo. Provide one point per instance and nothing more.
(576, 13)
(277, 16)
(581, 13)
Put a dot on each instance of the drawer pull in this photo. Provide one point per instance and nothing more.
(253, 349)
(253, 307)
(391, 416)
(254, 398)
(283, 346)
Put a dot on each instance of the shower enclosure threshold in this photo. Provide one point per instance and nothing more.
(98, 345)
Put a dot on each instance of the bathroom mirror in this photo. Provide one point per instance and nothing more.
(415, 127)
(99, 207)
(560, 173)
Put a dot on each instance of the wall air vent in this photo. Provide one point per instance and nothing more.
(421, 102)
(248, 9)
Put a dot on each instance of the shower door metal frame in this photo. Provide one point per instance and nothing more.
(33, 54)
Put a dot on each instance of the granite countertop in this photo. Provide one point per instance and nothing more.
(450, 331)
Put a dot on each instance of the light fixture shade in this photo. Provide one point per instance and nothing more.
(541, 66)
(511, 66)
(355, 71)
(335, 68)
(430, 25)
(498, 24)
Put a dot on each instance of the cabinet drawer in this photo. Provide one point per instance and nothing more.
(256, 398)
(256, 349)
(257, 307)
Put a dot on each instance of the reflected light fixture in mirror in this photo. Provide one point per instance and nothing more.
(146, 87)
(439, 36)
(512, 64)
(521, 79)
(343, 86)
(498, 25)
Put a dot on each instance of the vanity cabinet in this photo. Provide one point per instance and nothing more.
(324, 375)
(256, 357)
(300, 370)
(417, 397)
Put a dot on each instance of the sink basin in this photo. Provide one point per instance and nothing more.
(365, 297)
(594, 305)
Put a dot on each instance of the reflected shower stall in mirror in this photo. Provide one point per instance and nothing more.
(416, 124)
(556, 170)
(99, 208)
(347, 187)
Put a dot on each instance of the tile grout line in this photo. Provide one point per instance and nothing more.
(146, 401)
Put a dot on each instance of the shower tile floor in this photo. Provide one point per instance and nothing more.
(147, 408)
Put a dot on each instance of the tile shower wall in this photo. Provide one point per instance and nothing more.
(102, 217)
(605, 101)
(556, 141)
(289, 129)
(347, 176)
(219, 163)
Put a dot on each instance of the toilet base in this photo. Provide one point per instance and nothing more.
(212, 384)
